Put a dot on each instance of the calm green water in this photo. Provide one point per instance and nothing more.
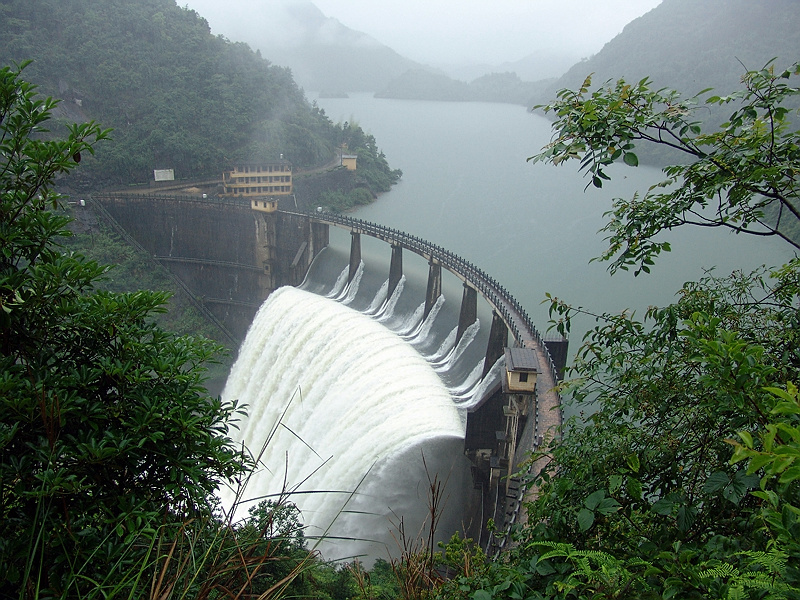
(467, 186)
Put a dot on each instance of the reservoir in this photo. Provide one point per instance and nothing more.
(467, 186)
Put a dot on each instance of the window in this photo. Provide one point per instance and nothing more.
(523, 378)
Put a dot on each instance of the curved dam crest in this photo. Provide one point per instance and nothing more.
(342, 404)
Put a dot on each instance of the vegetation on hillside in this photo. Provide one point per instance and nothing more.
(680, 476)
(372, 176)
(110, 448)
(687, 46)
(175, 95)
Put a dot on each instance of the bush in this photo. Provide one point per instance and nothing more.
(108, 440)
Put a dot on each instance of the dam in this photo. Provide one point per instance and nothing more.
(401, 393)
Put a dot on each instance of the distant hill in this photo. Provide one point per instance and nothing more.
(534, 67)
(176, 96)
(494, 87)
(691, 45)
(323, 54)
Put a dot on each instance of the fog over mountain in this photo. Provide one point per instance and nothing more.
(332, 45)
(545, 64)
(323, 53)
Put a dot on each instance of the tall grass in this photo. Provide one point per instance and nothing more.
(261, 556)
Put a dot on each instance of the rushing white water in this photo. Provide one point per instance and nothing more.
(341, 281)
(340, 404)
(386, 311)
(379, 300)
(352, 287)
(455, 353)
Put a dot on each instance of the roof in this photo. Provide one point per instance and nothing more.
(521, 359)
(263, 163)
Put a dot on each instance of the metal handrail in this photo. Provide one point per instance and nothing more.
(520, 324)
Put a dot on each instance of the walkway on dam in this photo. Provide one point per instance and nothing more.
(520, 325)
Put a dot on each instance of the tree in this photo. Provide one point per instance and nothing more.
(642, 497)
(107, 438)
(743, 176)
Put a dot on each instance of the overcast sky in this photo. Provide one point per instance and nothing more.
(462, 31)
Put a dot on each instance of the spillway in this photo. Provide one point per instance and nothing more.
(342, 411)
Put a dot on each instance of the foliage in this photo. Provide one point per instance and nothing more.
(108, 441)
(641, 497)
(177, 96)
(687, 46)
(339, 201)
(372, 165)
(373, 175)
(742, 176)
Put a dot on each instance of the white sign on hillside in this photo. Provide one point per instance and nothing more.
(164, 174)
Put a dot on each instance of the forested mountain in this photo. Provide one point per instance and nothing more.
(175, 95)
(690, 45)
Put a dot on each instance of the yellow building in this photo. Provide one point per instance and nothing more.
(349, 161)
(522, 368)
(258, 179)
(269, 205)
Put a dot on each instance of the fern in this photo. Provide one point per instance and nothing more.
(765, 572)
(593, 570)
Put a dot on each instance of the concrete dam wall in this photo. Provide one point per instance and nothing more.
(228, 256)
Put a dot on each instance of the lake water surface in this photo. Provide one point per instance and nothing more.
(467, 186)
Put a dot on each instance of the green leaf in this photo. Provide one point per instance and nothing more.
(594, 499)
(790, 475)
(758, 461)
(585, 519)
(686, 517)
(633, 462)
(608, 506)
(630, 159)
(543, 567)
(663, 506)
(634, 488)
(715, 482)
(746, 438)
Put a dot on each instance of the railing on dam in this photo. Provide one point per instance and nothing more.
(510, 310)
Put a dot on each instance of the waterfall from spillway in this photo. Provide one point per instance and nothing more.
(343, 404)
